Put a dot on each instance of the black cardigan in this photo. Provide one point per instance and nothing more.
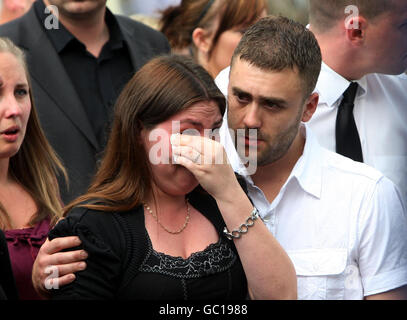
(118, 243)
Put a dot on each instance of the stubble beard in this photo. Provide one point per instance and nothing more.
(273, 152)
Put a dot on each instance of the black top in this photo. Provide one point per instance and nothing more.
(97, 80)
(123, 265)
(8, 288)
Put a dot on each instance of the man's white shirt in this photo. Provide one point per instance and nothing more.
(381, 118)
(342, 223)
(380, 114)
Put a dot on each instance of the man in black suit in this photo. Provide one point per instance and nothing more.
(80, 56)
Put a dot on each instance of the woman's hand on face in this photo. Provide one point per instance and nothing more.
(208, 162)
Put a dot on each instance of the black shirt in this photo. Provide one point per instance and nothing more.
(97, 80)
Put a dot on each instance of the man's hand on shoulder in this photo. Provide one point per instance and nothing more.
(53, 267)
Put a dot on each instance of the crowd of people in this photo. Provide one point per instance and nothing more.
(165, 164)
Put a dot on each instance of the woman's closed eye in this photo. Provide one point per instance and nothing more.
(191, 132)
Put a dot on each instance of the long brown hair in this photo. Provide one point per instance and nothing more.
(162, 88)
(36, 165)
(179, 22)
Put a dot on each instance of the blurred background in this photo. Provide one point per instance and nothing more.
(148, 11)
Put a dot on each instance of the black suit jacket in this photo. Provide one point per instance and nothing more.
(8, 289)
(60, 109)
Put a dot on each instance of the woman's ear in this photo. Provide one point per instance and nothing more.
(202, 40)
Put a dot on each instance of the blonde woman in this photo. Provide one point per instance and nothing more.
(29, 196)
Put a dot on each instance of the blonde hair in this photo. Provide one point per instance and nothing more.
(36, 165)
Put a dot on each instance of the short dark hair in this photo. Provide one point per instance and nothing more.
(324, 14)
(278, 43)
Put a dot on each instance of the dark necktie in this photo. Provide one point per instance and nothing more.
(347, 136)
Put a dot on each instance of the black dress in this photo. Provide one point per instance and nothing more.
(123, 265)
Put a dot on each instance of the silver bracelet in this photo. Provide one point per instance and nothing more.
(244, 228)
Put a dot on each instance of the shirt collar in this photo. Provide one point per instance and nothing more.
(308, 169)
(61, 37)
(307, 172)
(116, 37)
(331, 85)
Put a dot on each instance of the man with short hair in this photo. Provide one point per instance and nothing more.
(364, 50)
(80, 56)
(361, 37)
(341, 222)
(363, 44)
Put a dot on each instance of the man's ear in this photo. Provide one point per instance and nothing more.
(202, 40)
(356, 29)
(310, 106)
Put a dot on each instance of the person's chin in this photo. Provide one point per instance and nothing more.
(81, 9)
(184, 181)
(9, 151)
(182, 189)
